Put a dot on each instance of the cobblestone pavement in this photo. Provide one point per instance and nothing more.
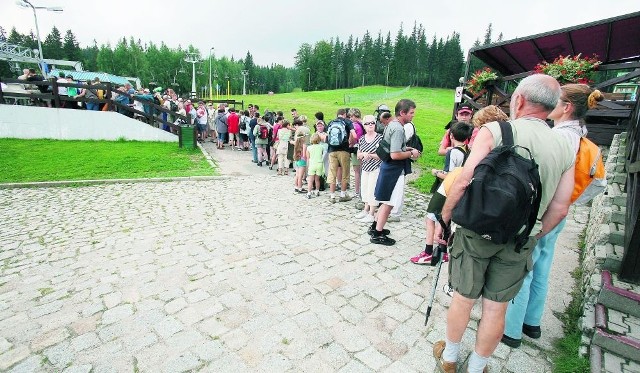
(228, 275)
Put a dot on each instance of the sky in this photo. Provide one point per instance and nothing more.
(274, 30)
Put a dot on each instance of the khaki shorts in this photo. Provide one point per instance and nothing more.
(480, 267)
(339, 158)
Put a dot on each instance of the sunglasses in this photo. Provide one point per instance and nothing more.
(369, 123)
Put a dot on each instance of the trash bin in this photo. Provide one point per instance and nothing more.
(187, 137)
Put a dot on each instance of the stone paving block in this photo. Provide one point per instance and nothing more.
(175, 305)
(373, 358)
(349, 337)
(183, 363)
(116, 314)
(520, 362)
(59, 355)
(612, 363)
(49, 339)
(208, 350)
(13, 356)
(275, 363)
(167, 327)
(4, 345)
(335, 355)
(354, 366)
(85, 341)
(86, 368)
(112, 299)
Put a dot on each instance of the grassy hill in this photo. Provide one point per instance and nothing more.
(434, 109)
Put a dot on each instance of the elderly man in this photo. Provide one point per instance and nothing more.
(496, 271)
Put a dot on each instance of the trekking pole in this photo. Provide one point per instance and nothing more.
(440, 251)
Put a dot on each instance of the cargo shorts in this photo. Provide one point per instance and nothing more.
(481, 267)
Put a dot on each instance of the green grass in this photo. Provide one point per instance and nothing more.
(566, 358)
(53, 160)
(434, 109)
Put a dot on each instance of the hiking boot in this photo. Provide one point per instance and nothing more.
(346, 198)
(382, 239)
(531, 331)
(422, 258)
(443, 366)
(511, 342)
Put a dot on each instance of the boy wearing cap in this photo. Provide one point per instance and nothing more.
(463, 114)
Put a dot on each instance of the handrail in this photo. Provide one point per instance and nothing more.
(54, 99)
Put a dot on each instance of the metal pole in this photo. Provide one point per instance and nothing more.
(244, 81)
(309, 84)
(210, 86)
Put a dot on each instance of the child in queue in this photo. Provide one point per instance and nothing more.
(315, 160)
(300, 159)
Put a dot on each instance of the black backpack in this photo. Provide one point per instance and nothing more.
(502, 199)
(414, 141)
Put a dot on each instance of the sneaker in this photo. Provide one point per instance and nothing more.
(531, 331)
(422, 258)
(382, 240)
(511, 342)
(317, 192)
(302, 190)
(367, 219)
(333, 199)
(393, 218)
(443, 366)
(309, 195)
(448, 290)
(346, 198)
(360, 215)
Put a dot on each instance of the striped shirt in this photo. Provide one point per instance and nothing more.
(369, 147)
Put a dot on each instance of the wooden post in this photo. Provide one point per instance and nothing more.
(1, 95)
(54, 90)
(108, 96)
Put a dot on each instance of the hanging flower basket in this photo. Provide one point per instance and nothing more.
(570, 69)
(480, 80)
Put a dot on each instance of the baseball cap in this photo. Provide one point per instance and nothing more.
(465, 108)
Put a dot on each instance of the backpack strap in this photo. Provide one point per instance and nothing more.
(507, 133)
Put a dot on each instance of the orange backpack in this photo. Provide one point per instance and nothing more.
(590, 175)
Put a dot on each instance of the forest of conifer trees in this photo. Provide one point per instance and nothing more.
(406, 59)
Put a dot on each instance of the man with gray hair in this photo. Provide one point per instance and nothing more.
(480, 267)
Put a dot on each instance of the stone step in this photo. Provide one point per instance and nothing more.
(615, 344)
(619, 295)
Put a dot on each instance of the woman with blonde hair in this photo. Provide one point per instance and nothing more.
(524, 313)
(485, 115)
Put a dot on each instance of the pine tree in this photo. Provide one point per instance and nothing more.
(52, 46)
(71, 47)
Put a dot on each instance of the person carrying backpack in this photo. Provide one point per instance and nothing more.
(488, 265)
(340, 136)
(455, 157)
(524, 314)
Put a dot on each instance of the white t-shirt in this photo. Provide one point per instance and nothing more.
(62, 91)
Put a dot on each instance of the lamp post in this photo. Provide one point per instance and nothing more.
(215, 77)
(210, 86)
(226, 76)
(192, 58)
(244, 81)
(386, 84)
(309, 83)
(27, 3)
